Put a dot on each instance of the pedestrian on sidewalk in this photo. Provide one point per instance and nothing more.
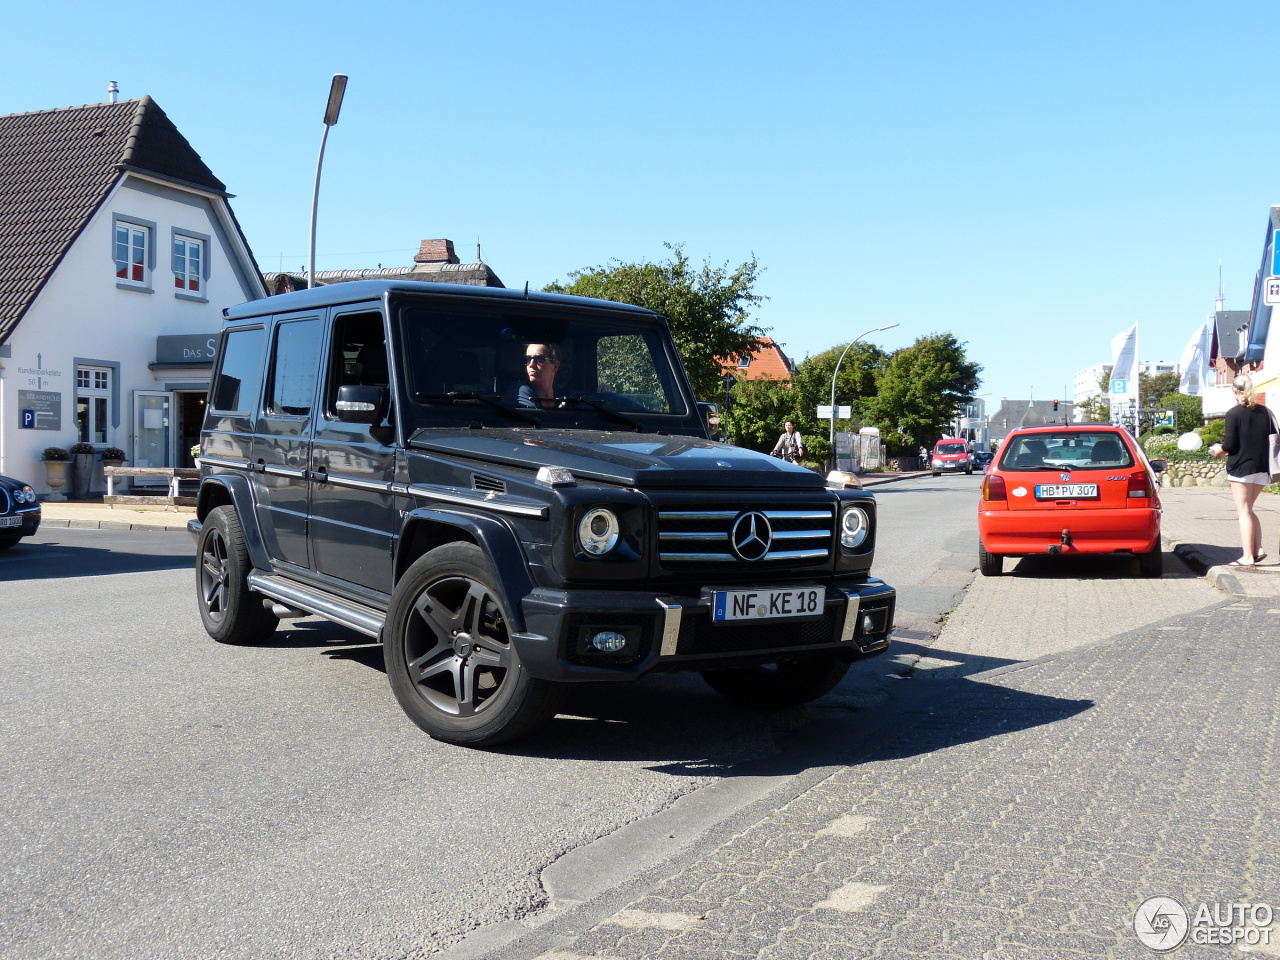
(1249, 426)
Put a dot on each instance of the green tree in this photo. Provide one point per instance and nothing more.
(918, 390)
(757, 412)
(854, 385)
(1154, 387)
(708, 308)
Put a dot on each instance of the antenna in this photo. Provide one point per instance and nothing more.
(1222, 288)
(526, 289)
(479, 259)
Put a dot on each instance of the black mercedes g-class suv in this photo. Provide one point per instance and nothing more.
(514, 491)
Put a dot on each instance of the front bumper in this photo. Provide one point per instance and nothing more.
(953, 466)
(30, 523)
(676, 633)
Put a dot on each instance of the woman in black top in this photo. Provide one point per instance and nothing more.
(1249, 427)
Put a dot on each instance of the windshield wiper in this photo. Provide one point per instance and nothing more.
(607, 411)
(492, 401)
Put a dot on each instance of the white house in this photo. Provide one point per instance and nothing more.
(118, 251)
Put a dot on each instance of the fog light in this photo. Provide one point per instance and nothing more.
(609, 641)
(868, 623)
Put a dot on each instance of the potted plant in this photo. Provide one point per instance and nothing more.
(113, 457)
(55, 460)
(82, 474)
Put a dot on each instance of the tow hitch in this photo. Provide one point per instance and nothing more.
(1063, 546)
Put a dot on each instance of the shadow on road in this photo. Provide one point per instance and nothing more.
(1092, 567)
(56, 559)
(676, 724)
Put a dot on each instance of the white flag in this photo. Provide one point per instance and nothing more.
(1124, 372)
(1195, 361)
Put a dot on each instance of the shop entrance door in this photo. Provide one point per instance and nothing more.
(153, 434)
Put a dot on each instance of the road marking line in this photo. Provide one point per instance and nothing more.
(663, 921)
(852, 897)
(847, 826)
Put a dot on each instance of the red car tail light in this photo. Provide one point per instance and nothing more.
(1139, 485)
(993, 487)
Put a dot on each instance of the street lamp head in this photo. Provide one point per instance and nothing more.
(336, 90)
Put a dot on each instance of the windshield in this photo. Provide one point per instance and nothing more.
(537, 368)
(950, 448)
(1058, 451)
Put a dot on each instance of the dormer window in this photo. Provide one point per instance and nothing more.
(744, 361)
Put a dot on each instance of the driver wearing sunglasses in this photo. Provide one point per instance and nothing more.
(541, 364)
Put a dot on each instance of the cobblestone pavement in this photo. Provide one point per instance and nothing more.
(1022, 813)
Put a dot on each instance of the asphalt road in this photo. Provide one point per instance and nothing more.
(168, 797)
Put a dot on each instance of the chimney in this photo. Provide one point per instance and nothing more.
(112, 91)
(436, 251)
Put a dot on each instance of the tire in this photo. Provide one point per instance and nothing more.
(937, 473)
(8, 540)
(989, 564)
(449, 654)
(232, 613)
(1151, 565)
(779, 685)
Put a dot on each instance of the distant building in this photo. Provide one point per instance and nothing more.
(1226, 358)
(768, 362)
(435, 261)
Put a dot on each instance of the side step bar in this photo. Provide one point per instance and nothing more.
(357, 616)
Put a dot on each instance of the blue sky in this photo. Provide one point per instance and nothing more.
(1033, 178)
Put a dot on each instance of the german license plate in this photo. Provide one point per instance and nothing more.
(767, 604)
(1066, 491)
(10, 521)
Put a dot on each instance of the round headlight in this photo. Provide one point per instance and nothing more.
(25, 495)
(854, 527)
(598, 531)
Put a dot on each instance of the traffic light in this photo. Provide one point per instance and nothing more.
(1055, 406)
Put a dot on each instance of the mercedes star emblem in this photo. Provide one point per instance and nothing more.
(751, 536)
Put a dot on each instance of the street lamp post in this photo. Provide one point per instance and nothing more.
(832, 437)
(336, 90)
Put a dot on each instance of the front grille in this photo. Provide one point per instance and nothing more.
(5, 505)
(700, 636)
(799, 536)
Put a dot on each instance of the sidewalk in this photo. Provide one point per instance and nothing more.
(1200, 526)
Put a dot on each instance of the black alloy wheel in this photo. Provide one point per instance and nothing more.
(231, 612)
(449, 654)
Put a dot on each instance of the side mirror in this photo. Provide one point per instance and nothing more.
(710, 417)
(360, 403)
(1159, 466)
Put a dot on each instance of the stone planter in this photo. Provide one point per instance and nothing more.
(82, 475)
(55, 475)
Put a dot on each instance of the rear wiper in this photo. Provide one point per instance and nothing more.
(607, 411)
(491, 400)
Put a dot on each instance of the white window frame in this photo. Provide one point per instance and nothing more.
(145, 229)
(94, 387)
(202, 243)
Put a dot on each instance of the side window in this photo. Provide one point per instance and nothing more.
(624, 365)
(240, 376)
(294, 368)
(133, 247)
(359, 355)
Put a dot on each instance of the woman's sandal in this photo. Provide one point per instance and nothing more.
(1240, 563)
(1259, 558)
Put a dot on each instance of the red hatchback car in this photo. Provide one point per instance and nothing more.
(1065, 490)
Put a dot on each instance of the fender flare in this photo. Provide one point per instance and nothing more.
(495, 538)
(237, 490)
